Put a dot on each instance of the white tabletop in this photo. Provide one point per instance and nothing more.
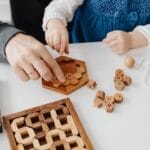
(127, 128)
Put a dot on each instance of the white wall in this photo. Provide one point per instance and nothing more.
(5, 11)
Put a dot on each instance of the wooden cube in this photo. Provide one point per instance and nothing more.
(91, 84)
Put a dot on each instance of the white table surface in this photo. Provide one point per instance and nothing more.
(127, 128)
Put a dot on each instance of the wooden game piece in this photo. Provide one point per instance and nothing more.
(55, 135)
(46, 115)
(127, 80)
(109, 99)
(41, 130)
(17, 122)
(25, 135)
(118, 98)
(43, 145)
(118, 78)
(91, 84)
(98, 102)
(109, 107)
(119, 86)
(69, 125)
(69, 76)
(119, 72)
(60, 145)
(75, 142)
(100, 94)
(80, 70)
(56, 83)
(129, 62)
(33, 120)
(74, 81)
(66, 83)
(58, 111)
(29, 146)
(78, 75)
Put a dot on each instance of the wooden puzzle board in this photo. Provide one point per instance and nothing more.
(54, 126)
(75, 72)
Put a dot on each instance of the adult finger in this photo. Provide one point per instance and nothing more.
(20, 73)
(41, 68)
(51, 62)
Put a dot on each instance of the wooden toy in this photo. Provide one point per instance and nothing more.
(118, 98)
(109, 107)
(121, 80)
(54, 126)
(91, 84)
(75, 72)
(100, 94)
(109, 99)
(119, 72)
(127, 80)
(119, 86)
(98, 102)
(129, 62)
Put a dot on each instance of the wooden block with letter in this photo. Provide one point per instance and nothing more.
(75, 72)
(54, 126)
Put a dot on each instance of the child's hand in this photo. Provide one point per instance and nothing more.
(119, 41)
(57, 36)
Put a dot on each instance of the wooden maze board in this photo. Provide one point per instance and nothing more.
(54, 126)
(75, 72)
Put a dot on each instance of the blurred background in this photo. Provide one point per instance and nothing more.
(5, 11)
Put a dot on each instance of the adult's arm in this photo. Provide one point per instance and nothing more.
(6, 33)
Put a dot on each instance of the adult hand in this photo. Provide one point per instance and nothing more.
(31, 60)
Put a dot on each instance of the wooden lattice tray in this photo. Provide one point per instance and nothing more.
(54, 126)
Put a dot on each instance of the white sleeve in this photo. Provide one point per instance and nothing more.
(61, 9)
(145, 30)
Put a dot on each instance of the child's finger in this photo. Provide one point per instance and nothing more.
(117, 50)
(56, 42)
(63, 44)
(67, 48)
(113, 44)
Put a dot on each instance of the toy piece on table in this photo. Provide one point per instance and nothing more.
(129, 62)
(75, 72)
(107, 101)
(54, 126)
(1, 127)
(91, 84)
(99, 99)
(121, 80)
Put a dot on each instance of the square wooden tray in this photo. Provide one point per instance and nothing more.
(58, 112)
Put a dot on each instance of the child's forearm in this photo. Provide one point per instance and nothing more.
(60, 9)
(138, 39)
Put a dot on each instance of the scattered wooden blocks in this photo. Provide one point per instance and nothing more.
(129, 62)
(91, 84)
(75, 72)
(108, 101)
(54, 126)
(121, 80)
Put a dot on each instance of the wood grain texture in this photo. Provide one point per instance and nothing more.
(65, 102)
(69, 65)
